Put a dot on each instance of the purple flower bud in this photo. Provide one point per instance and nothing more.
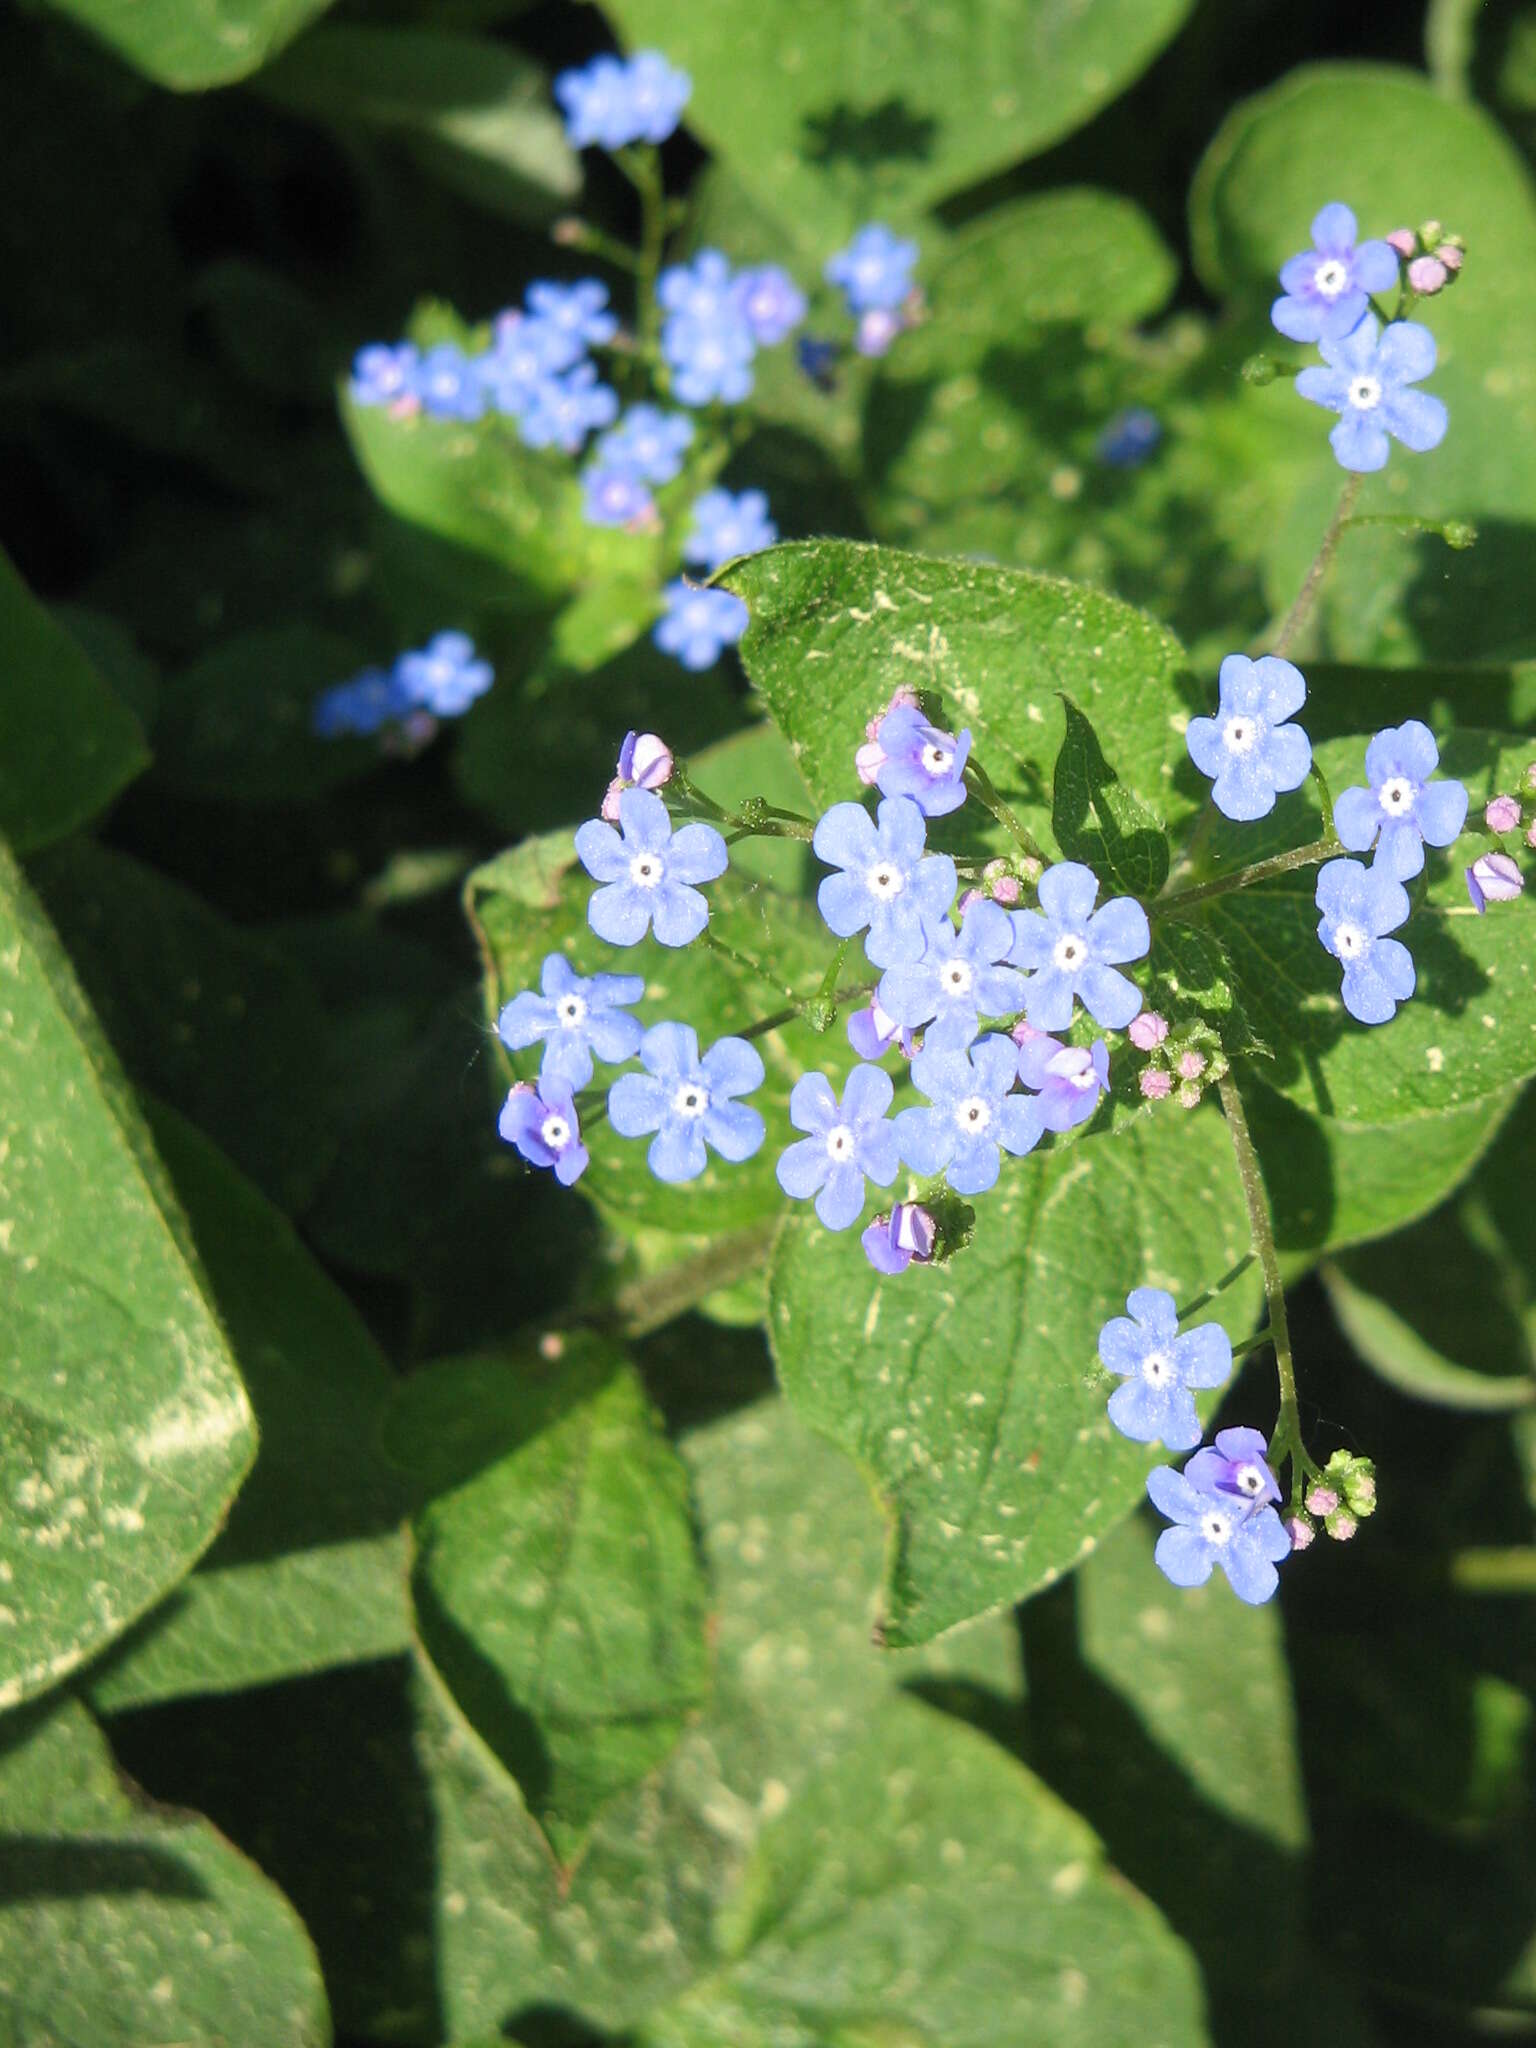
(610, 803)
(1300, 1531)
(877, 329)
(900, 699)
(1147, 1029)
(1192, 1065)
(1154, 1083)
(1530, 778)
(874, 1031)
(1002, 883)
(1503, 814)
(1404, 241)
(893, 1242)
(1341, 1525)
(1362, 1494)
(1322, 1500)
(1189, 1094)
(1530, 837)
(1427, 275)
(1493, 878)
(1452, 255)
(646, 760)
(869, 760)
(971, 896)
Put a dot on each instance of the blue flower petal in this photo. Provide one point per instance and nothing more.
(1183, 1557)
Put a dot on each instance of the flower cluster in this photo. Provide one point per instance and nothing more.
(611, 103)
(1495, 876)
(424, 685)
(715, 321)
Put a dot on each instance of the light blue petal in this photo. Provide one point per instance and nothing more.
(1400, 850)
(679, 915)
(613, 1037)
(1324, 387)
(1406, 352)
(1417, 418)
(803, 1167)
(1376, 266)
(1360, 442)
(845, 837)
(1288, 756)
(867, 1095)
(1202, 1357)
(572, 1164)
(995, 1064)
(1249, 1572)
(1119, 931)
(976, 1164)
(1407, 749)
(1206, 750)
(1297, 319)
(601, 851)
(841, 1201)
(1384, 900)
(933, 886)
(644, 820)
(1357, 817)
(1334, 229)
(677, 1150)
(732, 1066)
(1340, 890)
(1123, 1345)
(1183, 1557)
(637, 1104)
(568, 1061)
(697, 854)
(1155, 1309)
(903, 829)
(1282, 687)
(1140, 1411)
(671, 1051)
(1067, 893)
(1172, 1495)
(735, 1130)
(613, 991)
(896, 933)
(1442, 811)
(1242, 791)
(1019, 1127)
(926, 1138)
(909, 992)
(1109, 997)
(1032, 940)
(1366, 996)
(986, 932)
(620, 913)
(880, 1152)
(557, 977)
(1049, 998)
(812, 1104)
(524, 1020)
(942, 1076)
(1394, 963)
(845, 904)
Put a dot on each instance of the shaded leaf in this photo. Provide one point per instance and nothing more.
(1097, 821)
(192, 48)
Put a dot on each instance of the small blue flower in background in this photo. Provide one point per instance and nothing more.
(973, 1114)
(649, 873)
(698, 625)
(727, 524)
(1360, 905)
(446, 676)
(906, 1236)
(648, 442)
(615, 497)
(873, 1031)
(1247, 748)
(1071, 950)
(575, 1018)
(910, 757)
(687, 1101)
(770, 302)
(524, 353)
(1160, 1367)
(542, 1124)
(1402, 805)
(1068, 1080)
(1214, 1505)
(887, 881)
(1369, 382)
(875, 270)
(817, 361)
(382, 375)
(876, 332)
(448, 384)
(579, 311)
(362, 705)
(1130, 438)
(709, 359)
(610, 104)
(849, 1142)
(1327, 288)
(704, 289)
(562, 411)
(958, 981)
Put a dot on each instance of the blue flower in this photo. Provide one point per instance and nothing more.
(611, 104)
(920, 761)
(958, 980)
(562, 411)
(1368, 381)
(448, 384)
(698, 625)
(709, 359)
(872, 1033)
(1215, 1525)
(1247, 748)
(370, 700)
(817, 361)
(381, 374)
(648, 442)
(523, 355)
(1360, 905)
(849, 1143)
(875, 270)
(894, 1242)
(575, 1018)
(614, 497)
(578, 311)
(1129, 439)
(1072, 950)
(1160, 1367)
(1068, 1079)
(727, 524)
(1401, 804)
(972, 1114)
(648, 875)
(770, 302)
(1328, 287)
(542, 1124)
(687, 1101)
(887, 881)
(704, 289)
(446, 676)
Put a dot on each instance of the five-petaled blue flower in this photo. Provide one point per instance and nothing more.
(448, 384)
(614, 497)
(541, 1123)
(523, 355)
(688, 1101)
(648, 875)
(1402, 805)
(1360, 905)
(1328, 287)
(1219, 1505)
(575, 1018)
(446, 676)
(1160, 1367)
(612, 103)
(1068, 1080)
(648, 442)
(727, 524)
(561, 411)
(578, 310)
(362, 705)
(381, 374)
(709, 360)
(1369, 382)
(921, 762)
(850, 1142)
(1247, 748)
(1072, 950)
(875, 270)
(887, 881)
(698, 625)
(958, 980)
(1130, 438)
(770, 302)
(701, 290)
(972, 1114)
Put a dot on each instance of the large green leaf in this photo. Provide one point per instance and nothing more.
(557, 1580)
(67, 742)
(124, 1429)
(836, 115)
(1097, 821)
(128, 1925)
(312, 1568)
(971, 1393)
(189, 48)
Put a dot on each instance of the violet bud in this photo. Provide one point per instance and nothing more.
(1427, 275)
(971, 896)
(1403, 241)
(1493, 878)
(1301, 1532)
(913, 1229)
(877, 329)
(609, 808)
(1452, 255)
(1191, 1065)
(646, 760)
(868, 761)
(1322, 1500)
(1502, 814)
(1341, 1525)
(1530, 835)
(1189, 1094)
(1154, 1083)
(1147, 1030)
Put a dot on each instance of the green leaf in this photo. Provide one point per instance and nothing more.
(971, 1392)
(127, 1925)
(476, 112)
(124, 1429)
(311, 1569)
(1192, 978)
(835, 116)
(68, 744)
(1097, 821)
(1366, 1293)
(557, 1582)
(190, 48)
(837, 626)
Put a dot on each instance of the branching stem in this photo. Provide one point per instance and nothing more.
(1242, 878)
(1322, 561)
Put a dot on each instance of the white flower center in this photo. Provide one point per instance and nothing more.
(1330, 278)
(646, 870)
(956, 978)
(936, 760)
(1250, 1480)
(691, 1100)
(1215, 1527)
(555, 1132)
(1349, 941)
(885, 881)
(1157, 1368)
(1082, 1077)
(839, 1144)
(972, 1115)
(570, 1010)
(1070, 951)
(1396, 795)
(1240, 734)
(1365, 393)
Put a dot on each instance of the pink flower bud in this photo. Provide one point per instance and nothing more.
(1024, 1033)
(1154, 1083)
(1502, 814)
(1530, 835)
(1300, 1531)
(1363, 1492)
(869, 760)
(1002, 883)
(646, 760)
(610, 803)
(405, 407)
(1322, 1500)
(877, 329)
(1452, 255)
(1189, 1094)
(1403, 241)
(1191, 1065)
(1341, 1525)
(1493, 878)
(1147, 1030)
(570, 231)
(1427, 275)
(971, 896)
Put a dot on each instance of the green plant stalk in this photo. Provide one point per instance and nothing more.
(1242, 878)
(980, 783)
(1320, 564)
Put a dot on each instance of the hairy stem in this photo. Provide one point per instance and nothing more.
(752, 967)
(1322, 561)
(1242, 878)
(980, 783)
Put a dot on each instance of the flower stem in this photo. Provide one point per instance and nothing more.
(643, 169)
(1312, 582)
(980, 783)
(1227, 1279)
(759, 973)
(1243, 878)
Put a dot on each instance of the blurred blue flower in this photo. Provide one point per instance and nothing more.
(446, 676)
(448, 384)
(1130, 438)
(875, 270)
(382, 374)
(727, 524)
(647, 441)
(698, 625)
(611, 103)
(579, 311)
(770, 302)
(615, 497)
(562, 411)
